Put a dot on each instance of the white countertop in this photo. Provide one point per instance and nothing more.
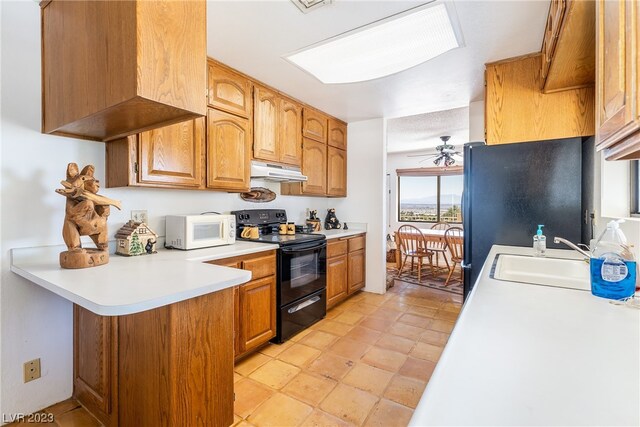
(336, 234)
(525, 354)
(129, 285)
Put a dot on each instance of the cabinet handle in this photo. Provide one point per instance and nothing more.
(302, 305)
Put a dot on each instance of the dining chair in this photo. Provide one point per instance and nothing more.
(414, 245)
(454, 239)
(439, 246)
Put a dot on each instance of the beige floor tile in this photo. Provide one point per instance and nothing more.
(272, 350)
(387, 414)
(349, 403)
(300, 335)
(451, 307)
(335, 311)
(421, 302)
(309, 388)
(236, 419)
(275, 373)
(415, 320)
(280, 410)
(251, 363)
(404, 390)
(320, 418)
(396, 343)
(446, 315)
(364, 308)
(237, 377)
(333, 327)
(441, 326)
(420, 311)
(376, 323)
(249, 395)
(385, 313)
(351, 349)
(331, 366)
(77, 418)
(299, 355)
(384, 359)
(348, 317)
(365, 335)
(319, 339)
(244, 423)
(434, 337)
(417, 368)
(406, 331)
(426, 351)
(368, 378)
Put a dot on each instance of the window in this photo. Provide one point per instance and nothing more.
(430, 198)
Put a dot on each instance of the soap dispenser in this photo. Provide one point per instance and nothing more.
(539, 242)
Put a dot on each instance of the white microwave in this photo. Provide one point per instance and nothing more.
(200, 231)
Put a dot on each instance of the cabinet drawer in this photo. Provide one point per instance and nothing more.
(261, 266)
(336, 248)
(356, 243)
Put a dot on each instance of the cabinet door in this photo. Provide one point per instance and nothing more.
(314, 166)
(95, 363)
(615, 98)
(228, 151)
(336, 172)
(228, 90)
(265, 125)
(257, 323)
(172, 155)
(314, 125)
(336, 280)
(337, 134)
(356, 271)
(290, 138)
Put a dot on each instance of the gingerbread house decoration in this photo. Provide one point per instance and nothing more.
(135, 238)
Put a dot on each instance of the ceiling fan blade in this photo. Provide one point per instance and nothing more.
(428, 158)
(418, 155)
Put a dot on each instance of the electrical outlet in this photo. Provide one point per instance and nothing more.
(31, 370)
(139, 216)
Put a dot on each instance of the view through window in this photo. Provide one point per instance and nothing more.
(430, 198)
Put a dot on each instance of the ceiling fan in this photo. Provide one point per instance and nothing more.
(447, 154)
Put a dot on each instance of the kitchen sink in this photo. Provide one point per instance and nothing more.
(559, 272)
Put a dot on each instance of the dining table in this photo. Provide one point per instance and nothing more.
(430, 235)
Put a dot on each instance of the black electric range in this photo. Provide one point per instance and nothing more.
(301, 270)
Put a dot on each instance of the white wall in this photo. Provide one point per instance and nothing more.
(365, 200)
(476, 121)
(34, 322)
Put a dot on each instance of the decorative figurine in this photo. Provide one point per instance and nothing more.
(258, 195)
(313, 222)
(135, 238)
(346, 227)
(331, 221)
(86, 214)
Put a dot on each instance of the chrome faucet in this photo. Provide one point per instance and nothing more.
(586, 254)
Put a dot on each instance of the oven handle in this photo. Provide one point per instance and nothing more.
(304, 248)
(302, 305)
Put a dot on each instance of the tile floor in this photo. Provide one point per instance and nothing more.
(366, 364)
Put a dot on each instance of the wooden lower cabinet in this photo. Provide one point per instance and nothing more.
(345, 268)
(170, 366)
(255, 301)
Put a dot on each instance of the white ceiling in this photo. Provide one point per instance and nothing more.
(422, 132)
(252, 36)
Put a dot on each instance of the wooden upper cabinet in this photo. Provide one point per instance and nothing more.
(336, 172)
(228, 151)
(314, 166)
(172, 155)
(290, 136)
(337, 134)
(314, 125)
(516, 110)
(618, 104)
(265, 124)
(116, 68)
(228, 91)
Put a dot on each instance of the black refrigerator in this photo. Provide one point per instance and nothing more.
(509, 189)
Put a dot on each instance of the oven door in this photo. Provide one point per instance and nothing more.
(303, 270)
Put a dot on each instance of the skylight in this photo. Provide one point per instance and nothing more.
(381, 48)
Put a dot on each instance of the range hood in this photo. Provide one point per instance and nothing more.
(260, 170)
